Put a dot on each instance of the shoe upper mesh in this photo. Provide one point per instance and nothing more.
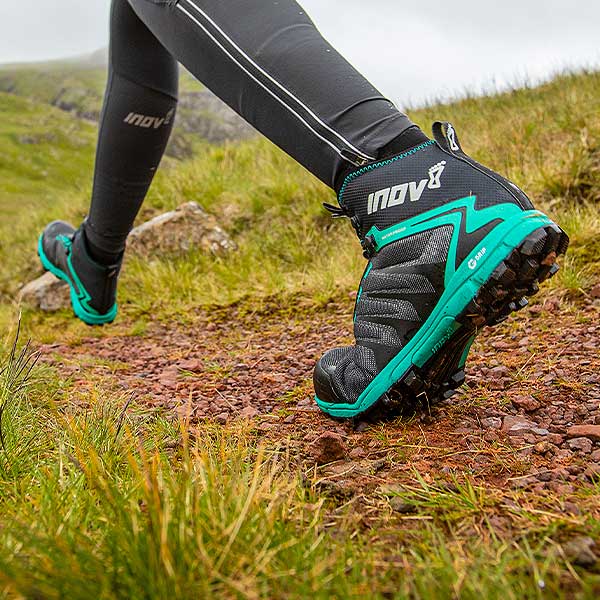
(433, 246)
(402, 251)
(386, 282)
(383, 307)
(356, 366)
(332, 357)
(354, 372)
(367, 332)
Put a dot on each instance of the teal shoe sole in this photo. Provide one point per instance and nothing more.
(518, 255)
(81, 312)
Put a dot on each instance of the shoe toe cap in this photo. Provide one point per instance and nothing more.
(324, 373)
(58, 228)
(52, 231)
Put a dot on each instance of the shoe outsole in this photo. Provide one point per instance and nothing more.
(515, 279)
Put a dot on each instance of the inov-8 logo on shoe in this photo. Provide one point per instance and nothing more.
(393, 196)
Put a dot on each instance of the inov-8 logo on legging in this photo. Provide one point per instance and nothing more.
(393, 196)
(146, 122)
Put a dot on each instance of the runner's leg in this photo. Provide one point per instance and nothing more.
(268, 61)
(137, 118)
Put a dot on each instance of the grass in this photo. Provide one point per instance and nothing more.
(105, 501)
(101, 498)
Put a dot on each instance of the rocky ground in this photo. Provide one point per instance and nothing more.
(527, 418)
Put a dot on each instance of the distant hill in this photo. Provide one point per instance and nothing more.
(99, 58)
(76, 85)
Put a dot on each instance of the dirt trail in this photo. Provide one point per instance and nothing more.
(530, 382)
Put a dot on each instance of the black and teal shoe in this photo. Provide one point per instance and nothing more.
(93, 287)
(452, 246)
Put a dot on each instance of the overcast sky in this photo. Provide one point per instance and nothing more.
(411, 49)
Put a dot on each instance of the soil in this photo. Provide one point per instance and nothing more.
(527, 418)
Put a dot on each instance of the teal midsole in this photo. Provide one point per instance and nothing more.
(442, 324)
(80, 311)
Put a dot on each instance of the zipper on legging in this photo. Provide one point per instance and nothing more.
(355, 159)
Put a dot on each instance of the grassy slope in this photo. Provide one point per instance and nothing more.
(546, 139)
(94, 504)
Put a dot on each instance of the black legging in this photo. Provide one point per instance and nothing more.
(265, 59)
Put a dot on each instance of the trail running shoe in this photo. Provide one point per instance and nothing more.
(93, 287)
(452, 246)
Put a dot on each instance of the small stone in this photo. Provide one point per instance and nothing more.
(501, 345)
(222, 418)
(305, 402)
(571, 508)
(563, 454)
(498, 383)
(492, 422)
(184, 411)
(595, 291)
(357, 452)
(588, 431)
(464, 430)
(362, 426)
(592, 472)
(47, 293)
(562, 489)
(560, 473)
(515, 425)
(290, 419)
(526, 403)
(540, 431)
(390, 490)
(342, 490)
(328, 447)
(543, 447)
(580, 444)
(267, 427)
(499, 371)
(249, 412)
(185, 228)
(523, 482)
(580, 551)
(192, 364)
(555, 438)
(400, 505)
(595, 456)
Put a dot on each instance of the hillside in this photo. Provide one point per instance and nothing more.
(178, 451)
(77, 86)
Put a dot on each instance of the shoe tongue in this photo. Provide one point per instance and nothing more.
(445, 135)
